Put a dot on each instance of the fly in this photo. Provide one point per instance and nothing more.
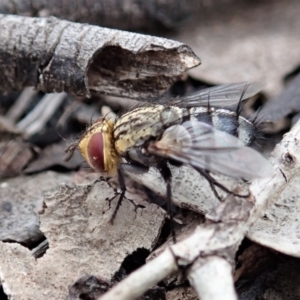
(194, 130)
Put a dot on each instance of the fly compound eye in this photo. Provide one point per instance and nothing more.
(97, 147)
(95, 152)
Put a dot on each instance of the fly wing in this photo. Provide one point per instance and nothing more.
(202, 146)
(223, 95)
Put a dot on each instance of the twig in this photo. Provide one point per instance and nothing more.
(21, 104)
(41, 114)
(135, 285)
(59, 56)
(212, 279)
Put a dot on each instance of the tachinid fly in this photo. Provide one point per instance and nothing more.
(193, 130)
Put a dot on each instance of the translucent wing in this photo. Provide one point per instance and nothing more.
(223, 95)
(201, 146)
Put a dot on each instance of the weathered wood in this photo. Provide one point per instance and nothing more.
(55, 56)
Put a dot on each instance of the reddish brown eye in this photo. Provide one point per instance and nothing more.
(95, 151)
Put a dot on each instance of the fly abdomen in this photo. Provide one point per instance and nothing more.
(247, 131)
(224, 120)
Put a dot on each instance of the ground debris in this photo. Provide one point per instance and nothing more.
(75, 221)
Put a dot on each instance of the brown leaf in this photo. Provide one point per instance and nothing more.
(250, 41)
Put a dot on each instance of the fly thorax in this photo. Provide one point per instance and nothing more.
(140, 125)
(171, 115)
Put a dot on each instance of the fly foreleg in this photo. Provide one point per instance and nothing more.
(122, 194)
(132, 168)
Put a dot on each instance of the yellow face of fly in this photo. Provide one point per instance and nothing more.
(97, 147)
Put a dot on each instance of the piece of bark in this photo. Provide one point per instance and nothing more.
(15, 153)
(213, 245)
(60, 56)
(132, 14)
(75, 220)
(21, 199)
(181, 293)
(14, 157)
(39, 250)
(252, 262)
(21, 105)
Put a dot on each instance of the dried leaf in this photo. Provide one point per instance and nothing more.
(189, 189)
(242, 44)
(53, 156)
(75, 221)
(21, 199)
(284, 104)
(130, 14)
(279, 227)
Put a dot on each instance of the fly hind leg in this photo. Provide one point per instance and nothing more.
(166, 174)
(214, 183)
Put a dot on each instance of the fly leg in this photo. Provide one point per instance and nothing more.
(123, 190)
(213, 183)
(214, 190)
(125, 167)
(166, 174)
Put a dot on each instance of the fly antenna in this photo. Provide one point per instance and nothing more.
(61, 136)
(70, 151)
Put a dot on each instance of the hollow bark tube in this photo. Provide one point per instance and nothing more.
(55, 56)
